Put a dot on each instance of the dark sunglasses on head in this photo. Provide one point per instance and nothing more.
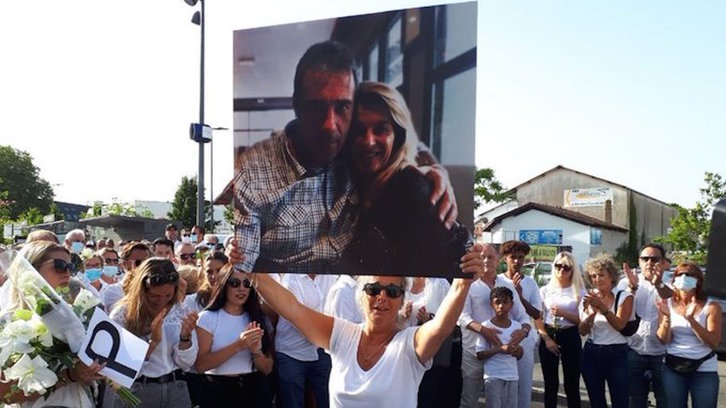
(161, 279)
(234, 282)
(566, 268)
(62, 266)
(187, 257)
(374, 289)
(650, 258)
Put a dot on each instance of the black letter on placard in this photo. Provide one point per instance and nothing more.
(111, 359)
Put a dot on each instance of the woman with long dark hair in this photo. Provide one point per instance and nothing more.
(235, 348)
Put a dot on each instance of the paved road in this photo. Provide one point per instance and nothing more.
(538, 389)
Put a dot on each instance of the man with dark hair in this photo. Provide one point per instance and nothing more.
(296, 207)
(646, 353)
(163, 248)
(171, 232)
(514, 253)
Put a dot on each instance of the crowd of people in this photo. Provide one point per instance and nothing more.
(219, 336)
(309, 307)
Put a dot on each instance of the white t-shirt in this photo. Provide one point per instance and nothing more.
(392, 382)
(111, 294)
(431, 296)
(645, 340)
(564, 299)
(478, 308)
(500, 366)
(602, 332)
(341, 300)
(225, 330)
(311, 293)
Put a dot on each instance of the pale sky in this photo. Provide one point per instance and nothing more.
(101, 94)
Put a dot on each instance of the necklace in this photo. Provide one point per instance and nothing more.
(366, 356)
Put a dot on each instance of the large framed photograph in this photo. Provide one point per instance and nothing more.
(318, 187)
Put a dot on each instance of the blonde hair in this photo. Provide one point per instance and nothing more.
(577, 282)
(138, 316)
(42, 235)
(380, 95)
(37, 252)
(192, 276)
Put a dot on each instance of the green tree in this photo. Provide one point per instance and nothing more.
(184, 205)
(21, 186)
(487, 188)
(691, 227)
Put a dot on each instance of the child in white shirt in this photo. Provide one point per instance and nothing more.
(500, 365)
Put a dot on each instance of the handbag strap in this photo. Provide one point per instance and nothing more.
(617, 299)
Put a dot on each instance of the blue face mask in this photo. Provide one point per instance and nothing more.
(667, 277)
(193, 238)
(93, 274)
(685, 283)
(110, 270)
(77, 247)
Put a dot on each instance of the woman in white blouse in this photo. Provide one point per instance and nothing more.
(376, 363)
(604, 356)
(559, 331)
(690, 326)
(151, 310)
(235, 348)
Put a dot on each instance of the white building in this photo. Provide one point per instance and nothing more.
(545, 227)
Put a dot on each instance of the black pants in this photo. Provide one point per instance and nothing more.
(250, 390)
(570, 352)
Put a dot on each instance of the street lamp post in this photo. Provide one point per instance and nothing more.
(197, 131)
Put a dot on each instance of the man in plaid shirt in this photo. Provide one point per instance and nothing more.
(295, 203)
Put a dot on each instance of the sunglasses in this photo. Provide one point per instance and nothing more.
(187, 257)
(374, 289)
(685, 274)
(566, 268)
(110, 261)
(234, 282)
(62, 266)
(161, 279)
(650, 258)
(186, 235)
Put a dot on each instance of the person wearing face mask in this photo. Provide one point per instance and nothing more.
(93, 270)
(645, 354)
(689, 326)
(75, 241)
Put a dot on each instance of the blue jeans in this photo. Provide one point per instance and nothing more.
(644, 371)
(601, 363)
(703, 387)
(294, 373)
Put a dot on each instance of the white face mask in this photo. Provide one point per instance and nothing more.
(685, 283)
(77, 247)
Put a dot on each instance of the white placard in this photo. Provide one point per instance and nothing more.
(108, 342)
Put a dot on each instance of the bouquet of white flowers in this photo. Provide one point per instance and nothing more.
(40, 333)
